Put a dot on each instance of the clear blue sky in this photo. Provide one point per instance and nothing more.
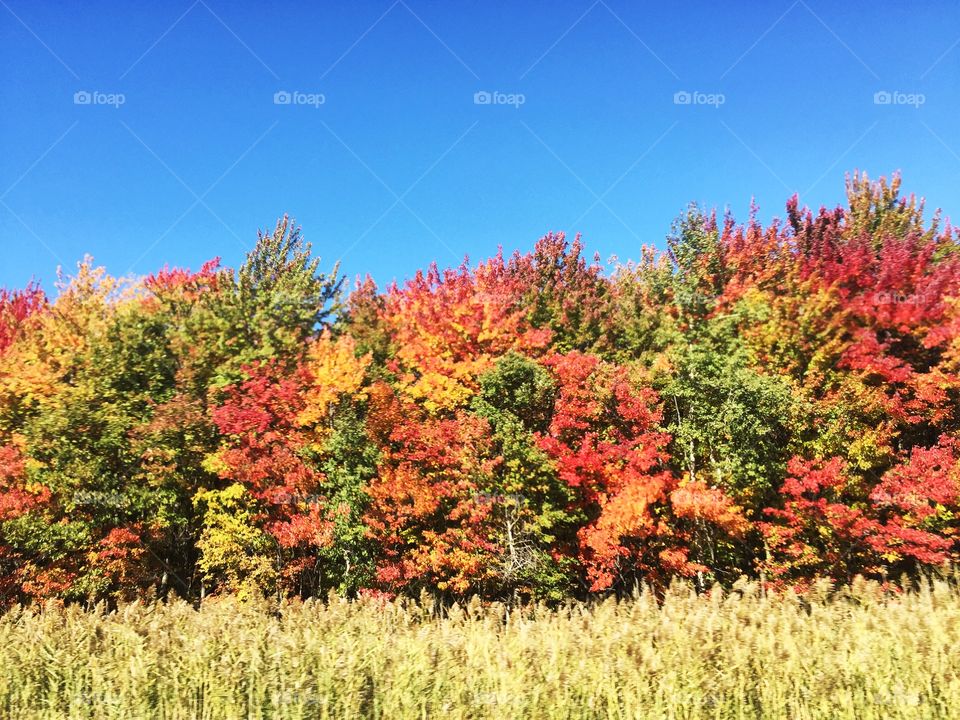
(399, 166)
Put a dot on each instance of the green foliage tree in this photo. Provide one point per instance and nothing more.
(530, 506)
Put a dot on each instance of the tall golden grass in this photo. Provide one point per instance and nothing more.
(854, 653)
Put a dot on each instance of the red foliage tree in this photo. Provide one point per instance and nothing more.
(265, 441)
(15, 308)
(605, 441)
(427, 511)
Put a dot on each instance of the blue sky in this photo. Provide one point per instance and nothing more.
(387, 160)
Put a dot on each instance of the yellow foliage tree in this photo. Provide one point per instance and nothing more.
(335, 371)
(235, 554)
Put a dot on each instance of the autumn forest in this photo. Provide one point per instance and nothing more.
(776, 401)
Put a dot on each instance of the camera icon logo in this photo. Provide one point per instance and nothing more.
(482, 97)
(82, 97)
(882, 97)
(682, 97)
(282, 97)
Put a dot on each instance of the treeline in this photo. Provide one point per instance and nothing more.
(778, 401)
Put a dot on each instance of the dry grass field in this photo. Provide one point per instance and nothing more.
(856, 653)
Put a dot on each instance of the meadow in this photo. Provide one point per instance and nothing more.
(854, 652)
